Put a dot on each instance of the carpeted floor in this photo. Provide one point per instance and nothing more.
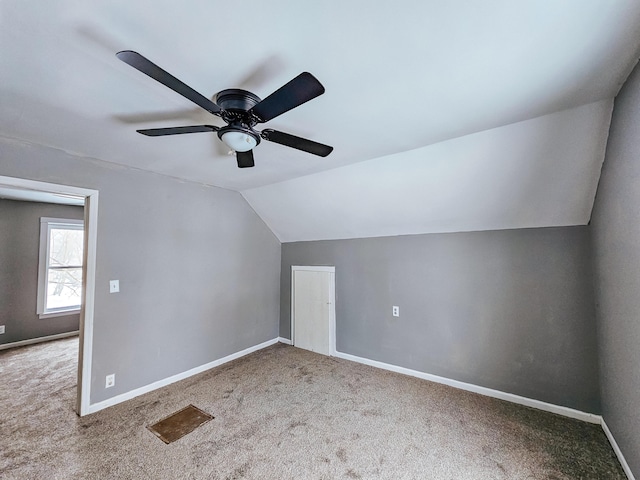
(284, 413)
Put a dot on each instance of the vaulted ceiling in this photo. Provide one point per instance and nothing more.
(445, 116)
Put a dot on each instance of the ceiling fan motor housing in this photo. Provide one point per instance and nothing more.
(236, 100)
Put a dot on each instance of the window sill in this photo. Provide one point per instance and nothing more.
(59, 313)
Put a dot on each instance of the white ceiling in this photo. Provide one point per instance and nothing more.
(399, 78)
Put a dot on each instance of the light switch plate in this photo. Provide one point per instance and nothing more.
(1, 329)
(114, 286)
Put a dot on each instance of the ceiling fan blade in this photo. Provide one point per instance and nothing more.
(301, 89)
(149, 68)
(245, 159)
(296, 142)
(159, 132)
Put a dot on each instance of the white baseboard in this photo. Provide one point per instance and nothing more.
(95, 407)
(510, 397)
(616, 449)
(31, 341)
(285, 341)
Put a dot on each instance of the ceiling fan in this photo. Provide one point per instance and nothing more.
(240, 109)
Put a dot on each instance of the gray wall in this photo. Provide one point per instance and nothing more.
(199, 270)
(19, 252)
(616, 241)
(509, 310)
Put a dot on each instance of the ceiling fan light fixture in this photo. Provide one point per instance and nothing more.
(239, 141)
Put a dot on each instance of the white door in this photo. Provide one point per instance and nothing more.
(312, 309)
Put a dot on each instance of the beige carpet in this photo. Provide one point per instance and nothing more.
(284, 413)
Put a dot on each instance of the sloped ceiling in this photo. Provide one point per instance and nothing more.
(439, 112)
(536, 173)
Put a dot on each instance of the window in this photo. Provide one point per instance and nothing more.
(60, 266)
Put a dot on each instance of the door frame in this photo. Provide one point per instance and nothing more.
(83, 387)
(332, 301)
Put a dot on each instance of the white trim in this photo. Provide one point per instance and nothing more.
(95, 407)
(510, 397)
(292, 311)
(59, 313)
(332, 314)
(71, 222)
(46, 223)
(314, 268)
(31, 341)
(88, 301)
(55, 188)
(332, 301)
(89, 277)
(616, 449)
(285, 341)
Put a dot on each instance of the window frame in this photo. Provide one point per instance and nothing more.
(46, 223)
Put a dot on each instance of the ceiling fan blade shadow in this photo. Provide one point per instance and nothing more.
(298, 143)
(160, 132)
(93, 33)
(300, 90)
(245, 159)
(147, 117)
(152, 70)
(262, 73)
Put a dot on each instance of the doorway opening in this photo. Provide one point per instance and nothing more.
(313, 313)
(52, 193)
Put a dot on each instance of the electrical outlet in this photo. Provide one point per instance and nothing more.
(1, 329)
(396, 311)
(114, 286)
(110, 380)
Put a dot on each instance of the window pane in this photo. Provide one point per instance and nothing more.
(65, 247)
(64, 288)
